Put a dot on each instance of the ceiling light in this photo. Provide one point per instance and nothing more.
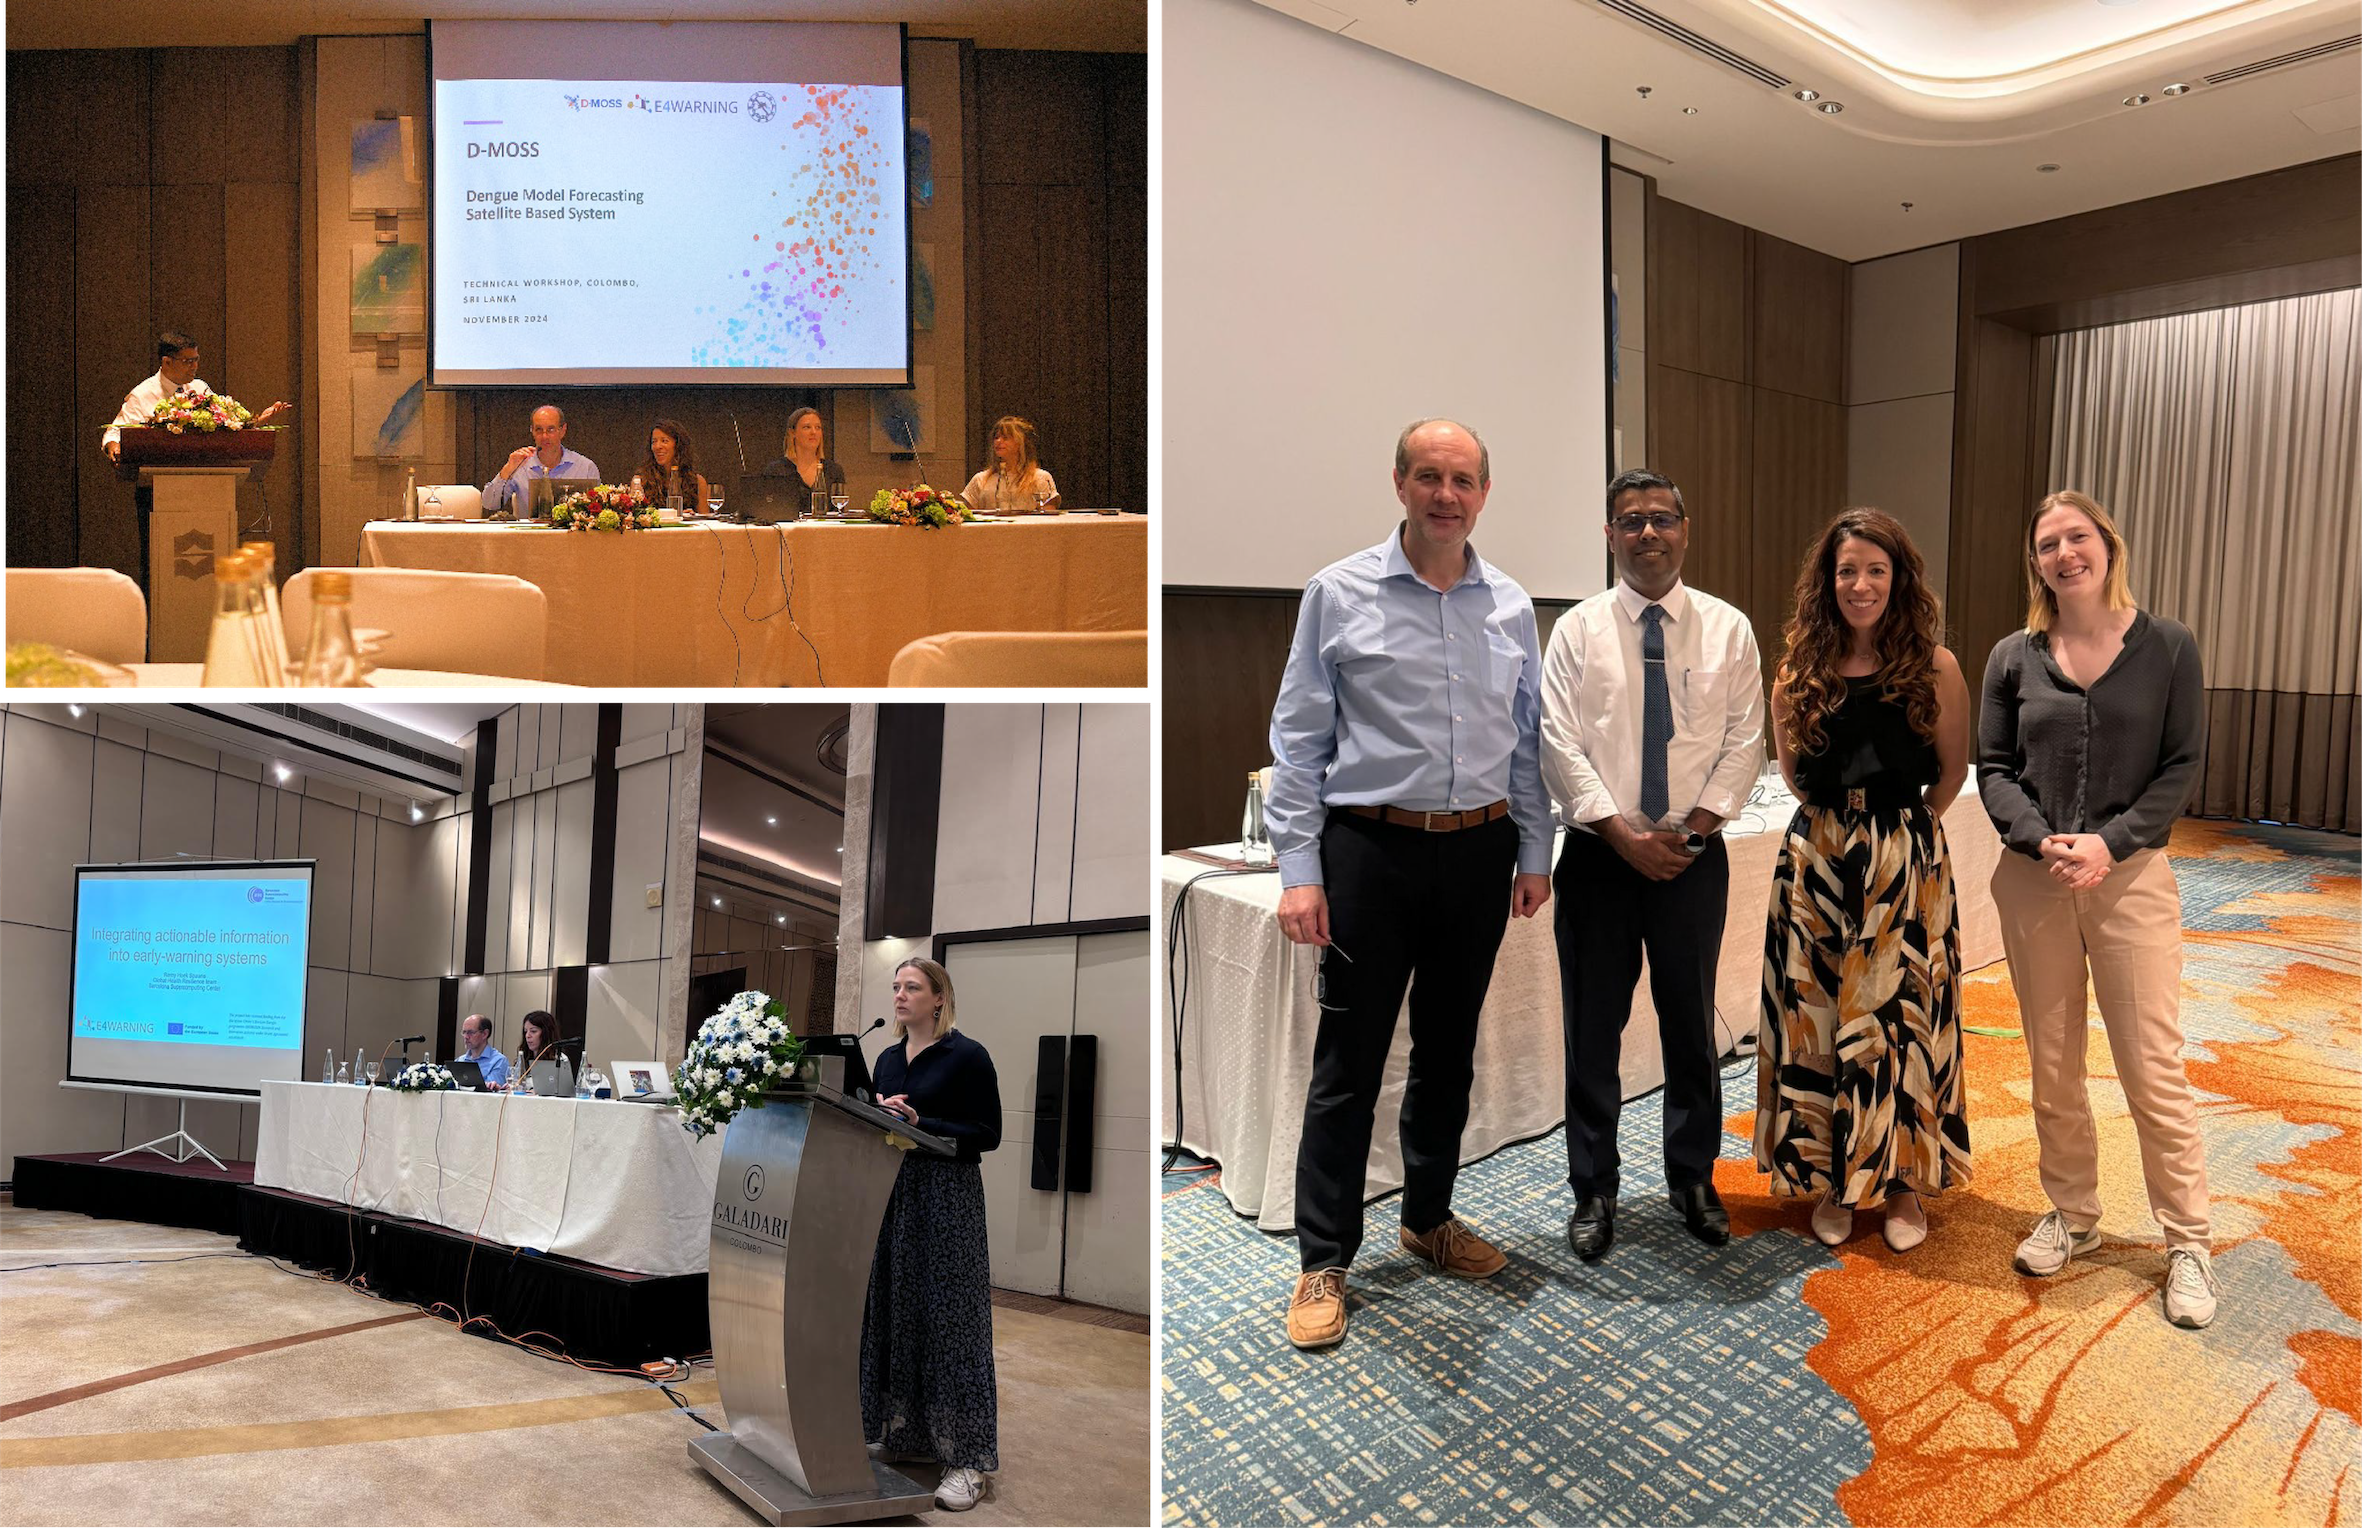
(2047, 169)
(783, 917)
(282, 771)
(2136, 100)
(1808, 94)
(416, 811)
(1643, 90)
(1906, 206)
(1689, 111)
(773, 821)
(2177, 90)
(1830, 108)
(717, 901)
(840, 848)
(75, 712)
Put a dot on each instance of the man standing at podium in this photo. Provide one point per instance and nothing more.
(176, 376)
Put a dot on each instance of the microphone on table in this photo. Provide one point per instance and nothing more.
(910, 443)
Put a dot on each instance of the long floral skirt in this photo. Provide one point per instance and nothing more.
(1858, 1081)
(926, 1336)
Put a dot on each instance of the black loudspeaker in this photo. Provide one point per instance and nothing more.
(1049, 1109)
(1082, 1097)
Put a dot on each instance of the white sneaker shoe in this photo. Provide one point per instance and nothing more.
(2189, 1287)
(2048, 1246)
(960, 1489)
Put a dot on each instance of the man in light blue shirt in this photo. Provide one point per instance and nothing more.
(475, 1034)
(1410, 820)
(547, 457)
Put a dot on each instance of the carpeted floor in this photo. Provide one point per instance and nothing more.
(202, 1385)
(1777, 1381)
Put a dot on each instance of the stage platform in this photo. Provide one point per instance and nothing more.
(599, 1315)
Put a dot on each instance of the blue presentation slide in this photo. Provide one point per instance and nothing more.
(187, 978)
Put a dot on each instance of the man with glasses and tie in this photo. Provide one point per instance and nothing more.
(1652, 733)
(1409, 817)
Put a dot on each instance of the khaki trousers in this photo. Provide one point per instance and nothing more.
(2128, 931)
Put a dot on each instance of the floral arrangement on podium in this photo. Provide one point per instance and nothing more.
(204, 413)
(423, 1077)
(604, 507)
(739, 1054)
(930, 508)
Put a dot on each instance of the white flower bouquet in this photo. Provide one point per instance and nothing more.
(423, 1077)
(739, 1055)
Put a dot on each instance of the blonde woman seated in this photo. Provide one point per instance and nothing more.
(1016, 483)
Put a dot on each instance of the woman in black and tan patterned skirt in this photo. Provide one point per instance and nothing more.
(927, 1387)
(1858, 1086)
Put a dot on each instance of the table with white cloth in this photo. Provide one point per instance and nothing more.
(189, 676)
(1249, 1016)
(811, 602)
(620, 1185)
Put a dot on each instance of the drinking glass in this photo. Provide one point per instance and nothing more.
(713, 499)
(371, 1071)
(837, 500)
(434, 501)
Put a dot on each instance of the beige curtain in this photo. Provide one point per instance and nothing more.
(2228, 445)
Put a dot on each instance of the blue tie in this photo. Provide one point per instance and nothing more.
(1656, 715)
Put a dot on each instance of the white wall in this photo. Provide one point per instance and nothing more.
(1904, 328)
(390, 897)
(1368, 242)
(95, 788)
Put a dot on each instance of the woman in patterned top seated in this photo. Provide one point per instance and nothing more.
(1859, 1094)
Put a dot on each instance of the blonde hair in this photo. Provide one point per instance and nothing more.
(2042, 606)
(940, 980)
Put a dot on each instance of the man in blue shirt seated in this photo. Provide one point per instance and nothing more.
(547, 457)
(475, 1033)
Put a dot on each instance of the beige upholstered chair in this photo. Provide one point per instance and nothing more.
(463, 623)
(461, 501)
(94, 611)
(1034, 658)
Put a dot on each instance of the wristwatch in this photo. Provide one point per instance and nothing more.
(1694, 844)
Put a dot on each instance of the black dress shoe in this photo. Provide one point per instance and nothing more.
(1591, 1230)
(1702, 1211)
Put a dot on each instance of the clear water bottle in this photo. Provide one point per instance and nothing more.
(266, 570)
(332, 660)
(344, 1073)
(236, 645)
(328, 1067)
(1254, 840)
(360, 1066)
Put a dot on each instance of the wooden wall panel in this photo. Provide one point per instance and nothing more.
(195, 88)
(1798, 464)
(43, 462)
(114, 341)
(261, 344)
(1995, 481)
(1236, 648)
(1041, 118)
(1796, 309)
(1697, 291)
(187, 278)
(1702, 440)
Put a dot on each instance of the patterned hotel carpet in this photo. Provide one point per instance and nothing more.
(1777, 1381)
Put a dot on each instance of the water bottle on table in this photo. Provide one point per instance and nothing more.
(1254, 840)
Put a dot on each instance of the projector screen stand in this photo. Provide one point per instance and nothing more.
(185, 1145)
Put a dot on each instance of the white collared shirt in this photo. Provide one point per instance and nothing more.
(141, 402)
(1592, 693)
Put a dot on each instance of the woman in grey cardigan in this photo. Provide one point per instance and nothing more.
(2088, 746)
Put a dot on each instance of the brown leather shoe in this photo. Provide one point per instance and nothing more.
(1456, 1250)
(1316, 1312)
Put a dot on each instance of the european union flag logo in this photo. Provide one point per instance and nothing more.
(172, 1029)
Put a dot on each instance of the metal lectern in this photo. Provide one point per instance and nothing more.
(797, 1205)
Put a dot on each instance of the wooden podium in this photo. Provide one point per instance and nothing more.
(797, 1205)
(194, 480)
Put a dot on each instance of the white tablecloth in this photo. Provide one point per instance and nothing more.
(621, 1185)
(1250, 1018)
(192, 675)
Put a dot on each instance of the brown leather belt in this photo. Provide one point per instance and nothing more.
(1434, 822)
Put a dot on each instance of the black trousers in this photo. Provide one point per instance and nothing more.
(1414, 910)
(143, 509)
(1606, 914)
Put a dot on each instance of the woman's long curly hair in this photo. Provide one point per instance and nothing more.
(1909, 630)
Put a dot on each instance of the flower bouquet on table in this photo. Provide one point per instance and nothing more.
(202, 414)
(739, 1054)
(603, 507)
(423, 1077)
(922, 506)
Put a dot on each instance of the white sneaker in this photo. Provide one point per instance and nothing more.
(959, 1490)
(2189, 1287)
(2048, 1246)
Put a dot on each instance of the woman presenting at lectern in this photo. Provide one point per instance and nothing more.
(927, 1389)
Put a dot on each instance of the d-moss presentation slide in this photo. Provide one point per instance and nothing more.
(688, 202)
(190, 976)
